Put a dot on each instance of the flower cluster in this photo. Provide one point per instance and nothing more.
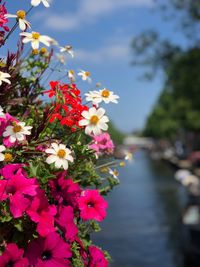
(51, 182)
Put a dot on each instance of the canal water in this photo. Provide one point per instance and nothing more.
(142, 228)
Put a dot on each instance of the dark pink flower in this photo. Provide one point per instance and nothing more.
(51, 251)
(102, 144)
(97, 257)
(13, 256)
(12, 169)
(17, 189)
(92, 205)
(64, 189)
(42, 213)
(65, 221)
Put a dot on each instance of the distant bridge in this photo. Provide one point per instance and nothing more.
(141, 142)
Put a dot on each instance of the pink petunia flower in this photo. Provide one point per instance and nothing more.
(65, 190)
(102, 144)
(42, 213)
(17, 189)
(12, 169)
(51, 251)
(92, 205)
(65, 221)
(13, 256)
(97, 257)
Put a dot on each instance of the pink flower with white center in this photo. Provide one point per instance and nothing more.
(13, 257)
(92, 206)
(17, 189)
(94, 121)
(17, 132)
(35, 38)
(65, 222)
(97, 257)
(42, 213)
(51, 251)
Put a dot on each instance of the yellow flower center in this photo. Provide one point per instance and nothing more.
(87, 73)
(71, 72)
(94, 119)
(61, 153)
(21, 14)
(17, 128)
(43, 50)
(8, 157)
(35, 52)
(35, 35)
(105, 93)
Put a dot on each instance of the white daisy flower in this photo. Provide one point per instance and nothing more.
(4, 77)
(2, 114)
(71, 75)
(93, 96)
(114, 173)
(21, 18)
(108, 96)
(17, 132)
(94, 121)
(60, 155)
(35, 38)
(68, 49)
(37, 2)
(2, 149)
(85, 75)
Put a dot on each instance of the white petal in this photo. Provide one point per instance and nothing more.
(69, 158)
(104, 119)
(86, 114)
(51, 159)
(12, 138)
(55, 146)
(22, 25)
(46, 4)
(2, 148)
(58, 163)
(50, 151)
(35, 44)
(83, 122)
(65, 164)
(88, 129)
(35, 2)
(2, 157)
(103, 126)
(100, 112)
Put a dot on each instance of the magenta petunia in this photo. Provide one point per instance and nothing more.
(13, 256)
(42, 213)
(51, 251)
(92, 205)
(65, 221)
(65, 190)
(12, 169)
(97, 257)
(17, 189)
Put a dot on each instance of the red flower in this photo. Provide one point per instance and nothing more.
(92, 205)
(68, 104)
(13, 256)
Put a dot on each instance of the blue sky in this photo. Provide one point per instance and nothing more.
(100, 32)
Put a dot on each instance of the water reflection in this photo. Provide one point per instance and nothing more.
(142, 227)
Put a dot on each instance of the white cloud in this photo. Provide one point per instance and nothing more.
(115, 51)
(88, 11)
